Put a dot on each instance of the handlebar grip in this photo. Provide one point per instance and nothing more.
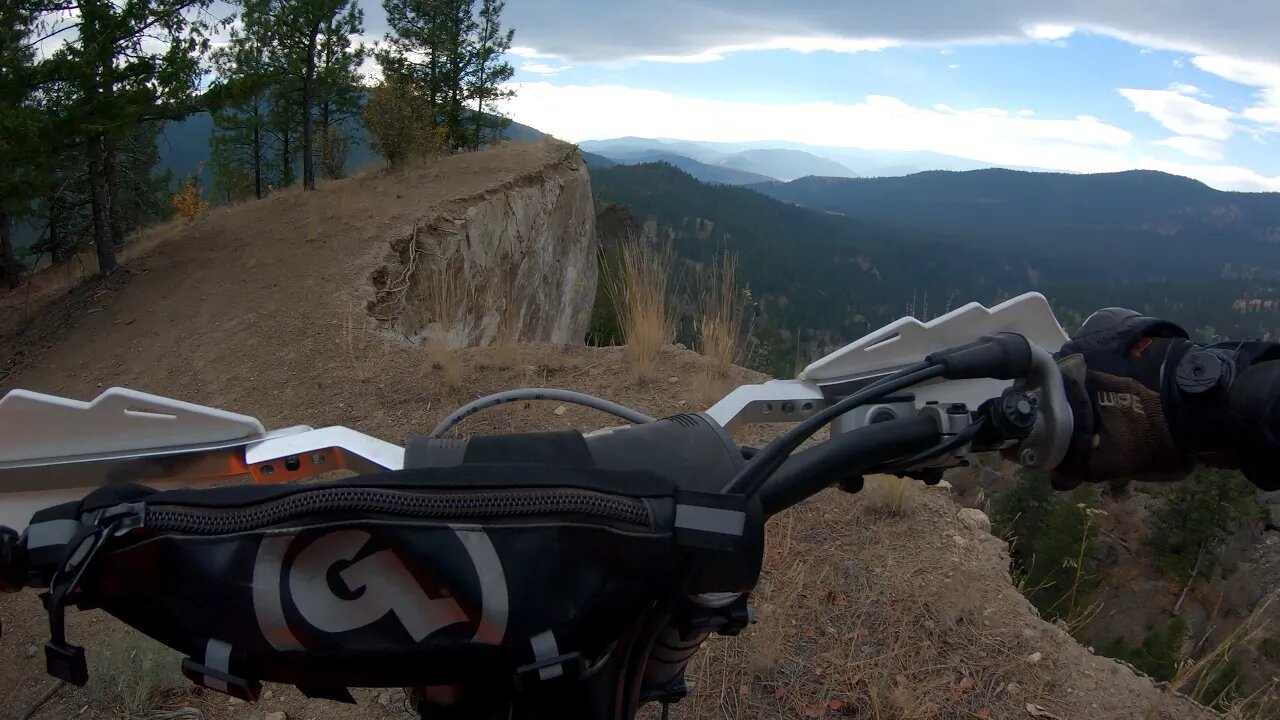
(807, 472)
(1004, 356)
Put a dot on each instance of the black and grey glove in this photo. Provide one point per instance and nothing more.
(1148, 403)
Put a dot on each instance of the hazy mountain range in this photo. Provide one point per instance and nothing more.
(775, 160)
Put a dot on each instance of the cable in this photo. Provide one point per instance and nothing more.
(568, 396)
(751, 477)
(960, 439)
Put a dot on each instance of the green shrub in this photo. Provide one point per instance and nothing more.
(1188, 529)
(1052, 543)
(1159, 653)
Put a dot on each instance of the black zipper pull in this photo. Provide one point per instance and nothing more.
(125, 517)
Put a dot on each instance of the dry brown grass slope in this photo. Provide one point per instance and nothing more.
(868, 608)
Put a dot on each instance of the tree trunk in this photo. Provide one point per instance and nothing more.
(325, 150)
(257, 161)
(8, 260)
(98, 199)
(479, 107)
(1177, 607)
(308, 91)
(115, 208)
(56, 252)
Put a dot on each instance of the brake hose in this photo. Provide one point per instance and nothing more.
(566, 396)
(955, 441)
(751, 477)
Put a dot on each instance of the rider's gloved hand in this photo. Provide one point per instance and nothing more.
(1148, 403)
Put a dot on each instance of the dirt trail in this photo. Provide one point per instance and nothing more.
(249, 306)
(868, 607)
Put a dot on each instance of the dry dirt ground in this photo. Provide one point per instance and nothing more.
(879, 605)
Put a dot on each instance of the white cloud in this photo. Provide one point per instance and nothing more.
(952, 66)
(1185, 89)
(1182, 114)
(797, 44)
(1245, 72)
(1178, 63)
(1223, 177)
(521, 51)
(1026, 113)
(1079, 144)
(1263, 76)
(543, 68)
(1195, 147)
(1049, 31)
(578, 113)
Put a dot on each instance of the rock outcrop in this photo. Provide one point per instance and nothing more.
(516, 260)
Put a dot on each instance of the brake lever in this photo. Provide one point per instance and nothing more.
(1050, 437)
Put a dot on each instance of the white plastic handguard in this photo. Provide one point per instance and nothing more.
(34, 425)
(892, 347)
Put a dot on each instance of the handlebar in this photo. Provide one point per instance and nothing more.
(844, 456)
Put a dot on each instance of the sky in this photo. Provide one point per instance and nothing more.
(1190, 87)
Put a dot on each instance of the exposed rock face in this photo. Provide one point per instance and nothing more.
(518, 260)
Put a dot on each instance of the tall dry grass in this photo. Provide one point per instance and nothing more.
(722, 314)
(889, 495)
(721, 325)
(639, 285)
(441, 293)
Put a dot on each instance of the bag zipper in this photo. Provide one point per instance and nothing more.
(459, 506)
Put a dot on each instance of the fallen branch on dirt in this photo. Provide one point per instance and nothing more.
(48, 694)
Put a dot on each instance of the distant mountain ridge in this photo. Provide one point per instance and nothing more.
(698, 158)
(794, 160)
(1163, 223)
(700, 170)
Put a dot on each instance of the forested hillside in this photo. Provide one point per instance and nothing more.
(823, 278)
(1123, 224)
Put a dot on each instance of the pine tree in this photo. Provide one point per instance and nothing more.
(297, 34)
(240, 147)
(127, 65)
(19, 156)
(489, 71)
(338, 89)
(453, 53)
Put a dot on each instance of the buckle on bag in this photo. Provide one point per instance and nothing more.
(221, 681)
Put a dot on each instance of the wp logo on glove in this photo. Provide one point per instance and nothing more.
(1121, 400)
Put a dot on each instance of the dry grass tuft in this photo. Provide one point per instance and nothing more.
(638, 286)
(889, 495)
(722, 309)
(136, 676)
(709, 385)
(448, 361)
(441, 294)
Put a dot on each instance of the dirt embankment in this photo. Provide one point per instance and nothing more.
(879, 605)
